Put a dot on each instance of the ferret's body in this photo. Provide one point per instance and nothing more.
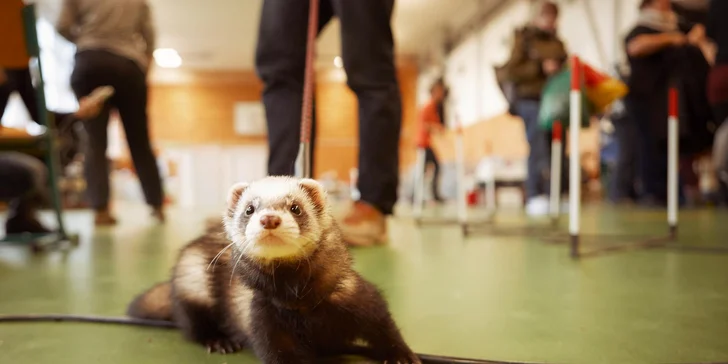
(284, 287)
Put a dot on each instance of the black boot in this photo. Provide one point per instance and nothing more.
(21, 217)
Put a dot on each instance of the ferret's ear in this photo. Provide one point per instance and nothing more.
(315, 191)
(234, 194)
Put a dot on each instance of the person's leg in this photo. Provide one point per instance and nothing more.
(538, 158)
(6, 88)
(431, 158)
(24, 85)
(280, 61)
(652, 169)
(626, 166)
(528, 111)
(368, 54)
(84, 79)
(22, 182)
(131, 101)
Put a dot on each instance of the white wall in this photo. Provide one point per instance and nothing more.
(57, 62)
(469, 68)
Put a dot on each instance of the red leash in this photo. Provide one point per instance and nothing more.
(304, 153)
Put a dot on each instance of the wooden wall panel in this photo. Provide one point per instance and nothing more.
(200, 111)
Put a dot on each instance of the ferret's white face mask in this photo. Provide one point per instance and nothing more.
(274, 218)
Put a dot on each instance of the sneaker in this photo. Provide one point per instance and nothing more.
(537, 206)
(364, 225)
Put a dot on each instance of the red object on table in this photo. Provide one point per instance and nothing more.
(472, 198)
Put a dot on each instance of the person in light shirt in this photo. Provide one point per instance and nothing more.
(115, 41)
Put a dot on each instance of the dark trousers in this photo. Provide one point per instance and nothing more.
(98, 68)
(625, 171)
(431, 158)
(652, 162)
(19, 80)
(720, 112)
(539, 158)
(368, 55)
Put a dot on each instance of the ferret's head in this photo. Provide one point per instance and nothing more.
(277, 218)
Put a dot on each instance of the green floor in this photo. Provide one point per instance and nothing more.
(500, 298)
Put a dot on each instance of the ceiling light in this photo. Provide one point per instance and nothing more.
(338, 62)
(167, 58)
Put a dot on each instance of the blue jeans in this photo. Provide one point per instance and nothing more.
(539, 156)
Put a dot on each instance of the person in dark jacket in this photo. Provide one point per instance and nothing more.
(537, 53)
(657, 47)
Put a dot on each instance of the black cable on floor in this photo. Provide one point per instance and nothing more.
(128, 321)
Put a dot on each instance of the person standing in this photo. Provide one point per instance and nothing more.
(115, 41)
(655, 50)
(717, 32)
(368, 57)
(537, 54)
(431, 121)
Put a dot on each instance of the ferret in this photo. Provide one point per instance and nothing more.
(275, 277)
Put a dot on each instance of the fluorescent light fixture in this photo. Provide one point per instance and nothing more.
(338, 62)
(167, 58)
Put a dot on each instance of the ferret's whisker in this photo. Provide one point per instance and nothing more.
(217, 257)
(232, 274)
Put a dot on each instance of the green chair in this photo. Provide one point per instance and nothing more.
(42, 145)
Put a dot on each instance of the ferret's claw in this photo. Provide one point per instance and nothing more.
(223, 346)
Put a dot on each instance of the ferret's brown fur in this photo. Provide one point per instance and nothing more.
(292, 298)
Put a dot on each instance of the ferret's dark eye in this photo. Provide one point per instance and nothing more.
(249, 210)
(295, 209)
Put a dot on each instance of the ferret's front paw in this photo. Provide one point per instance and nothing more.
(403, 358)
(223, 346)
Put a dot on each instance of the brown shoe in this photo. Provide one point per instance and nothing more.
(158, 214)
(104, 218)
(364, 225)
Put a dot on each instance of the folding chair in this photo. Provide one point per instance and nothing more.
(43, 145)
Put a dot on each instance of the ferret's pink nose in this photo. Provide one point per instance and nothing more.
(270, 221)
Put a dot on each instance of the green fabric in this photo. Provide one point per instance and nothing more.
(555, 102)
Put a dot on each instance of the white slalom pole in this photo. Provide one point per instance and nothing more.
(672, 162)
(556, 153)
(574, 165)
(419, 179)
(490, 203)
(460, 166)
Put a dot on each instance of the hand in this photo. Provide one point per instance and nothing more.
(696, 35)
(550, 66)
(88, 108)
(677, 39)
